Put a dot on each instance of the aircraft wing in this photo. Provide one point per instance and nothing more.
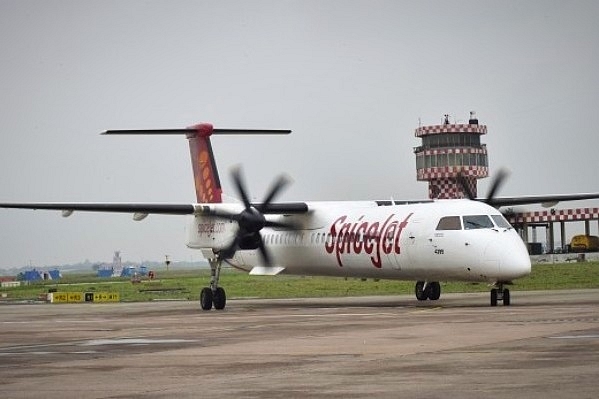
(545, 200)
(139, 210)
(145, 209)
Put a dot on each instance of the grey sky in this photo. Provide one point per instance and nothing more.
(350, 78)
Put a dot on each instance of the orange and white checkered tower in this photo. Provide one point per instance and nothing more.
(448, 150)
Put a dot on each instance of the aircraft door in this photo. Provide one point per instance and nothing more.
(448, 243)
(396, 243)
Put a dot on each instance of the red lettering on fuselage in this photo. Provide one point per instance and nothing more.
(347, 237)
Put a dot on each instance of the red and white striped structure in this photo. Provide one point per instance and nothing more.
(447, 150)
(554, 215)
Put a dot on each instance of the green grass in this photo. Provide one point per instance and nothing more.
(187, 284)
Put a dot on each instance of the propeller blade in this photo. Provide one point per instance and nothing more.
(229, 252)
(281, 225)
(264, 252)
(225, 215)
(280, 183)
(497, 182)
(240, 186)
(461, 179)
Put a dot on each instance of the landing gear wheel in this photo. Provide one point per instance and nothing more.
(206, 298)
(494, 297)
(421, 294)
(213, 295)
(500, 294)
(434, 291)
(506, 297)
(219, 298)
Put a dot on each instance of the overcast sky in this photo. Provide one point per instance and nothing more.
(352, 79)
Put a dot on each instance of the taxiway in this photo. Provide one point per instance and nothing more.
(546, 345)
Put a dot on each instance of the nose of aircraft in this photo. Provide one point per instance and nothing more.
(514, 260)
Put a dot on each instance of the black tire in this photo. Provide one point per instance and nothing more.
(206, 298)
(506, 297)
(494, 297)
(421, 294)
(434, 291)
(219, 298)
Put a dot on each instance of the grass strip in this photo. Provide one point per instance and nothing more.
(186, 284)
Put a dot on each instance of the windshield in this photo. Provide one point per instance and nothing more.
(477, 222)
(449, 223)
(472, 222)
(501, 222)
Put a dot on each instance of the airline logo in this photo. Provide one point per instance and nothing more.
(374, 238)
(207, 188)
(205, 174)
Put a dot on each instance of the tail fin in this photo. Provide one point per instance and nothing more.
(205, 172)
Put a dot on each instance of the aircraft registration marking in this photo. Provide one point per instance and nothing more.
(210, 228)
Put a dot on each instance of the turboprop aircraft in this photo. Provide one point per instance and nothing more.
(424, 241)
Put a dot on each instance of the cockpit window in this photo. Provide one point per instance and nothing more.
(477, 222)
(472, 222)
(449, 223)
(501, 222)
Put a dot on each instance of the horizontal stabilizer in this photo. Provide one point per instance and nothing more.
(193, 130)
(205, 172)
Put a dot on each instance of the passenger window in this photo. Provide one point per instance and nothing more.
(477, 222)
(449, 223)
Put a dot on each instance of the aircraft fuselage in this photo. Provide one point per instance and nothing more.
(365, 240)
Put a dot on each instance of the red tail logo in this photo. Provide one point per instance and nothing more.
(207, 182)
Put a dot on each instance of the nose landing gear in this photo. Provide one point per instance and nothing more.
(500, 294)
(427, 290)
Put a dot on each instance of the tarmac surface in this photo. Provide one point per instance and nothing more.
(546, 345)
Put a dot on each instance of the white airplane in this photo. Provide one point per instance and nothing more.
(424, 241)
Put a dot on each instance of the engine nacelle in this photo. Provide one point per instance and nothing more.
(210, 232)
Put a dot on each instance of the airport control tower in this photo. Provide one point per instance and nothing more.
(447, 150)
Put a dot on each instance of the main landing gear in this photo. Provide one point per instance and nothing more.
(500, 294)
(432, 290)
(213, 295)
(427, 290)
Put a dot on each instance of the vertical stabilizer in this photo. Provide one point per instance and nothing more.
(205, 173)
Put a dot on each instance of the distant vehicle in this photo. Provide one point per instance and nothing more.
(584, 243)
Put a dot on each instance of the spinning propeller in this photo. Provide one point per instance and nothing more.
(251, 220)
(498, 180)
